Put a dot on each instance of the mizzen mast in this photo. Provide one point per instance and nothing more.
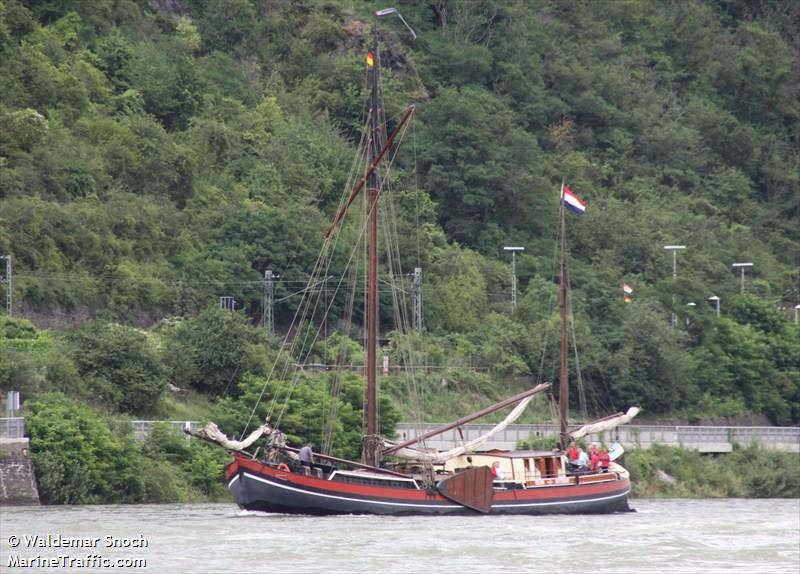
(563, 383)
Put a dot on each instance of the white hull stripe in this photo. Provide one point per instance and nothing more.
(234, 479)
(258, 478)
(496, 505)
(527, 504)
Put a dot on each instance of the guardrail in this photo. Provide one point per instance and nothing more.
(702, 438)
(12, 427)
(142, 428)
(711, 439)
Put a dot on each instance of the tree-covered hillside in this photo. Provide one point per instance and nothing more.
(158, 154)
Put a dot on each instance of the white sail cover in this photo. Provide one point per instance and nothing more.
(606, 425)
(212, 433)
(442, 456)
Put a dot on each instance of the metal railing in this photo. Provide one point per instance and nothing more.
(12, 427)
(142, 428)
(702, 438)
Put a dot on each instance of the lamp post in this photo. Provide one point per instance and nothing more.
(742, 267)
(674, 249)
(513, 251)
(714, 299)
(796, 310)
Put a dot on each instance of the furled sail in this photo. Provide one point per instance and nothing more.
(441, 456)
(605, 425)
(211, 433)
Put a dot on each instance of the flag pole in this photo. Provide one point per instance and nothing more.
(563, 391)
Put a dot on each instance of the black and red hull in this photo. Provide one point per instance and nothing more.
(265, 488)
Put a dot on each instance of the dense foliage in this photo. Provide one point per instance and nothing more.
(748, 472)
(157, 155)
(119, 365)
(81, 458)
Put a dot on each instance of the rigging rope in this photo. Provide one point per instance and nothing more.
(299, 347)
(288, 345)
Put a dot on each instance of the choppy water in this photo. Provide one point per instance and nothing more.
(669, 536)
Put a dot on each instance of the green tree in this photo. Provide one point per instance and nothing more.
(649, 368)
(210, 352)
(120, 363)
(474, 161)
(304, 410)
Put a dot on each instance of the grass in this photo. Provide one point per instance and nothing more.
(192, 406)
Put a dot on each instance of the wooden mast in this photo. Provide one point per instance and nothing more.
(370, 452)
(371, 180)
(563, 388)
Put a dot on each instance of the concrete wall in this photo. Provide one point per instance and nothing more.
(17, 478)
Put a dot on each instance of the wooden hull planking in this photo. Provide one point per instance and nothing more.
(265, 488)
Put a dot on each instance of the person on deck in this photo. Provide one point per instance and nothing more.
(572, 457)
(594, 461)
(593, 450)
(306, 455)
(605, 459)
(497, 474)
(572, 453)
(583, 460)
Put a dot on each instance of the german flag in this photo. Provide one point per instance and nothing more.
(370, 59)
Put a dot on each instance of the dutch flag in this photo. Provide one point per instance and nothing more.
(571, 201)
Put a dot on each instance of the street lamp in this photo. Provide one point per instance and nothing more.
(714, 299)
(742, 266)
(513, 251)
(796, 310)
(674, 249)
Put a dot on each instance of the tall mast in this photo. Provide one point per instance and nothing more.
(563, 388)
(370, 451)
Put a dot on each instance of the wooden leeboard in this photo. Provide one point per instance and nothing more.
(471, 488)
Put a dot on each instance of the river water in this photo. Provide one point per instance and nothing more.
(663, 536)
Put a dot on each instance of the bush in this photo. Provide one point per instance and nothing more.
(747, 472)
(78, 459)
(120, 364)
(209, 352)
(205, 469)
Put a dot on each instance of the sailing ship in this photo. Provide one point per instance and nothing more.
(401, 478)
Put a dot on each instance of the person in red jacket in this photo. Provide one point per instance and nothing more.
(572, 453)
(605, 459)
(497, 474)
(572, 457)
(594, 461)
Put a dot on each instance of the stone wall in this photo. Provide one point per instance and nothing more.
(17, 478)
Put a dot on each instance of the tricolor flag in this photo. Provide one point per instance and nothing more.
(370, 59)
(571, 201)
(627, 292)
